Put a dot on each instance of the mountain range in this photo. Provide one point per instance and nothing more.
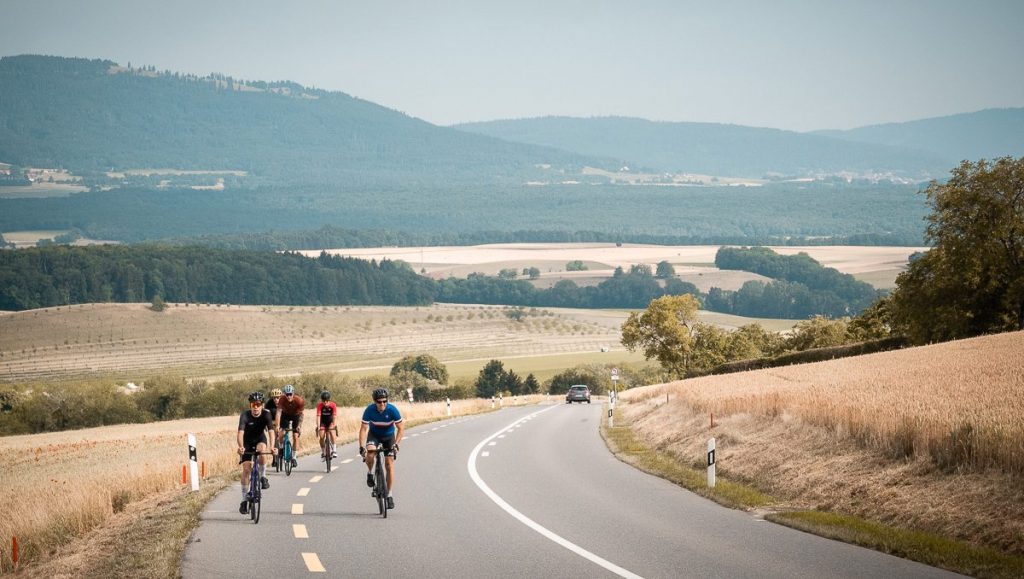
(149, 143)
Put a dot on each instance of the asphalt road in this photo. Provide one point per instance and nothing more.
(522, 492)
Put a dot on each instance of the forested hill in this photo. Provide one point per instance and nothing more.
(714, 149)
(92, 116)
(986, 134)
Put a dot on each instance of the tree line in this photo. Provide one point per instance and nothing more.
(58, 275)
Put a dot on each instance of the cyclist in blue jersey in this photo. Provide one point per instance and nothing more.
(381, 430)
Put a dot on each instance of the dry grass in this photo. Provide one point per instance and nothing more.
(927, 438)
(57, 487)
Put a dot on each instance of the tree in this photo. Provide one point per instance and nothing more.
(664, 331)
(158, 304)
(817, 332)
(710, 347)
(531, 272)
(425, 365)
(531, 385)
(490, 379)
(508, 273)
(576, 265)
(664, 270)
(972, 280)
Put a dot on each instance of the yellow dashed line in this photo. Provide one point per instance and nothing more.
(300, 531)
(304, 491)
(297, 508)
(313, 563)
(316, 479)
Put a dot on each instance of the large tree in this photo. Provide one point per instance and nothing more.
(972, 280)
(425, 365)
(664, 331)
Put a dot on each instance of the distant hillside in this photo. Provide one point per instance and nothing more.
(714, 149)
(986, 134)
(92, 116)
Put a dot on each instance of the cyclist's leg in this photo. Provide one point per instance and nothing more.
(261, 462)
(321, 434)
(389, 463)
(333, 435)
(296, 435)
(371, 451)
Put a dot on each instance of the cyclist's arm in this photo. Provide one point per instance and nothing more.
(364, 428)
(400, 429)
(319, 408)
(241, 440)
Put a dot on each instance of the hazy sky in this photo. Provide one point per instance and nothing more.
(799, 65)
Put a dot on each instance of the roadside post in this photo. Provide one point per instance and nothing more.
(711, 463)
(448, 405)
(492, 401)
(501, 399)
(612, 397)
(409, 390)
(193, 465)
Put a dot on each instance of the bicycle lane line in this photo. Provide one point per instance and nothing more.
(544, 531)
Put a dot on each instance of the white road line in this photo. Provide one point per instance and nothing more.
(484, 453)
(347, 460)
(334, 468)
(316, 479)
(313, 563)
(501, 436)
(296, 508)
(473, 474)
(492, 443)
(300, 531)
(302, 492)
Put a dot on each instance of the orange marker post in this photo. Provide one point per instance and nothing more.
(182, 474)
(14, 550)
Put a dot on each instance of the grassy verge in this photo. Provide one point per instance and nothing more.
(923, 547)
(627, 447)
(927, 548)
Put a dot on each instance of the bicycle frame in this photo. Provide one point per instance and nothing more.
(255, 494)
(380, 487)
(286, 450)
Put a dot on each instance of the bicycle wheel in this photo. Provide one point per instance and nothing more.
(287, 458)
(254, 510)
(327, 457)
(382, 485)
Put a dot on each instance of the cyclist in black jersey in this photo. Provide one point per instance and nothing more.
(254, 427)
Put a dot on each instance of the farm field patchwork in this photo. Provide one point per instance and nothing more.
(874, 264)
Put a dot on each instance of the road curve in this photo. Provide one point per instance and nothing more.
(523, 492)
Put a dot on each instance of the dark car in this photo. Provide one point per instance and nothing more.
(577, 393)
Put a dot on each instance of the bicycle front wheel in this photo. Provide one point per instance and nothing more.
(287, 460)
(254, 510)
(382, 487)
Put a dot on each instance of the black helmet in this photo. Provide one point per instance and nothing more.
(380, 393)
(325, 396)
(256, 397)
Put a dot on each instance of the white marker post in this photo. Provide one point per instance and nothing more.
(711, 463)
(409, 390)
(448, 405)
(501, 399)
(193, 464)
(492, 401)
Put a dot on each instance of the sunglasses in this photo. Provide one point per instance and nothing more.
(255, 404)
(289, 394)
(384, 401)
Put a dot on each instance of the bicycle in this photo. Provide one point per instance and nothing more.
(255, 494)
(380, 486)
(286, 450)
(327, 447)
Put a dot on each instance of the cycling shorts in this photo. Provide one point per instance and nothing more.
(384, 441)
(296, 421)
(250, 447)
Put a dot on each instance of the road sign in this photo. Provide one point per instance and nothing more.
(711, 463)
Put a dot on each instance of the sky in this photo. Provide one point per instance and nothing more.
(789, 64)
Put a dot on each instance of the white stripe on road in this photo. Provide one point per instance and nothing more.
(316, 479)
(347, 460)
(334, 468)
(300, 531)
(296, 508)
(485, 453)
(302, 492)
(473, 474)
(313, 563)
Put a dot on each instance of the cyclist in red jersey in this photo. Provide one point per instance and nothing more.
(326, 414)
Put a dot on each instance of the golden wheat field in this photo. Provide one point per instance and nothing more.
(962, 403)
(57, 486)
(928, 438)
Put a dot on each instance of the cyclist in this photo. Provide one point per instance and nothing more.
(381, 429)
(253, 427)
(271, 406)
(289, 409)
(326, 412)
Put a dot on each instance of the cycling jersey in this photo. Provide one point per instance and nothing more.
(382, 424)
(291, 405)
(254, 428)
(271, 405)
(325, 413)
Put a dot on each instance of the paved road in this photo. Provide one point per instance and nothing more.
(523, 492)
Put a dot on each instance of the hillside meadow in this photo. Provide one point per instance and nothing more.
(211, 341)
(928, 438)
(59, 486)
